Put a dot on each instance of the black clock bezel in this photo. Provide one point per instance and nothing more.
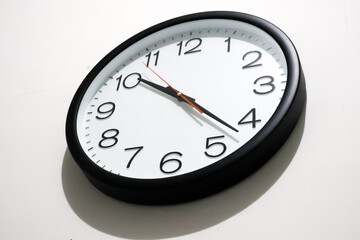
(214, 177)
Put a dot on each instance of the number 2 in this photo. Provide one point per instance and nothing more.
(252, 64)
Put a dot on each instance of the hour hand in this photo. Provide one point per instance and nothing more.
(167, 90)
(182, 97)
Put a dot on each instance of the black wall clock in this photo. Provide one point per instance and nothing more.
(186, 108)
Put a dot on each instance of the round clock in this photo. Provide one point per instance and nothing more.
(186, 108)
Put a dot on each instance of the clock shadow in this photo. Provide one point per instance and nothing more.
(132, 221)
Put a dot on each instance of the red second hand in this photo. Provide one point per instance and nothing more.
(177, 92)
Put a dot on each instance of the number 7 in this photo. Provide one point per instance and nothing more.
(132, 158)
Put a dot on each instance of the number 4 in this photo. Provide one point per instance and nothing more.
(253, 120)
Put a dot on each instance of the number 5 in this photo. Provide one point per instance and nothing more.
(220, 144)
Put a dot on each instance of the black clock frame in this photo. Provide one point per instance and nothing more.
(212, 178)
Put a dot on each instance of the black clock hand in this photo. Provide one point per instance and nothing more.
(166, 90)
(191, 101)
(213, 116)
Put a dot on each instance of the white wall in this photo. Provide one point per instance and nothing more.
(309, 190)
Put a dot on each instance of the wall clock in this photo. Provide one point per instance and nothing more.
(186, 108)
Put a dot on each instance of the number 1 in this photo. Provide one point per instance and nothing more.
(228, 43)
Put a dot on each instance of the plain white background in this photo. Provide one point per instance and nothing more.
(309, 189)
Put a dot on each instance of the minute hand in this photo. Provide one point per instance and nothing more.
(178, 95)
(204, 110)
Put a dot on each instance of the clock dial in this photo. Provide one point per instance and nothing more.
(234, 71)
(186, 108)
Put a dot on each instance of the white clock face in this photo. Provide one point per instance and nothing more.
(133, 121)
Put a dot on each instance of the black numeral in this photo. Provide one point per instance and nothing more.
(253, 120)
(254, 62)
(130, 81)
(268, 84)
(134, 80)
(219, 144)
(119, 82)
(192, 50)
(109, 138)
(171, 161)
(148, 56)
(105, 108)
(228, 40)
(138, 149)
